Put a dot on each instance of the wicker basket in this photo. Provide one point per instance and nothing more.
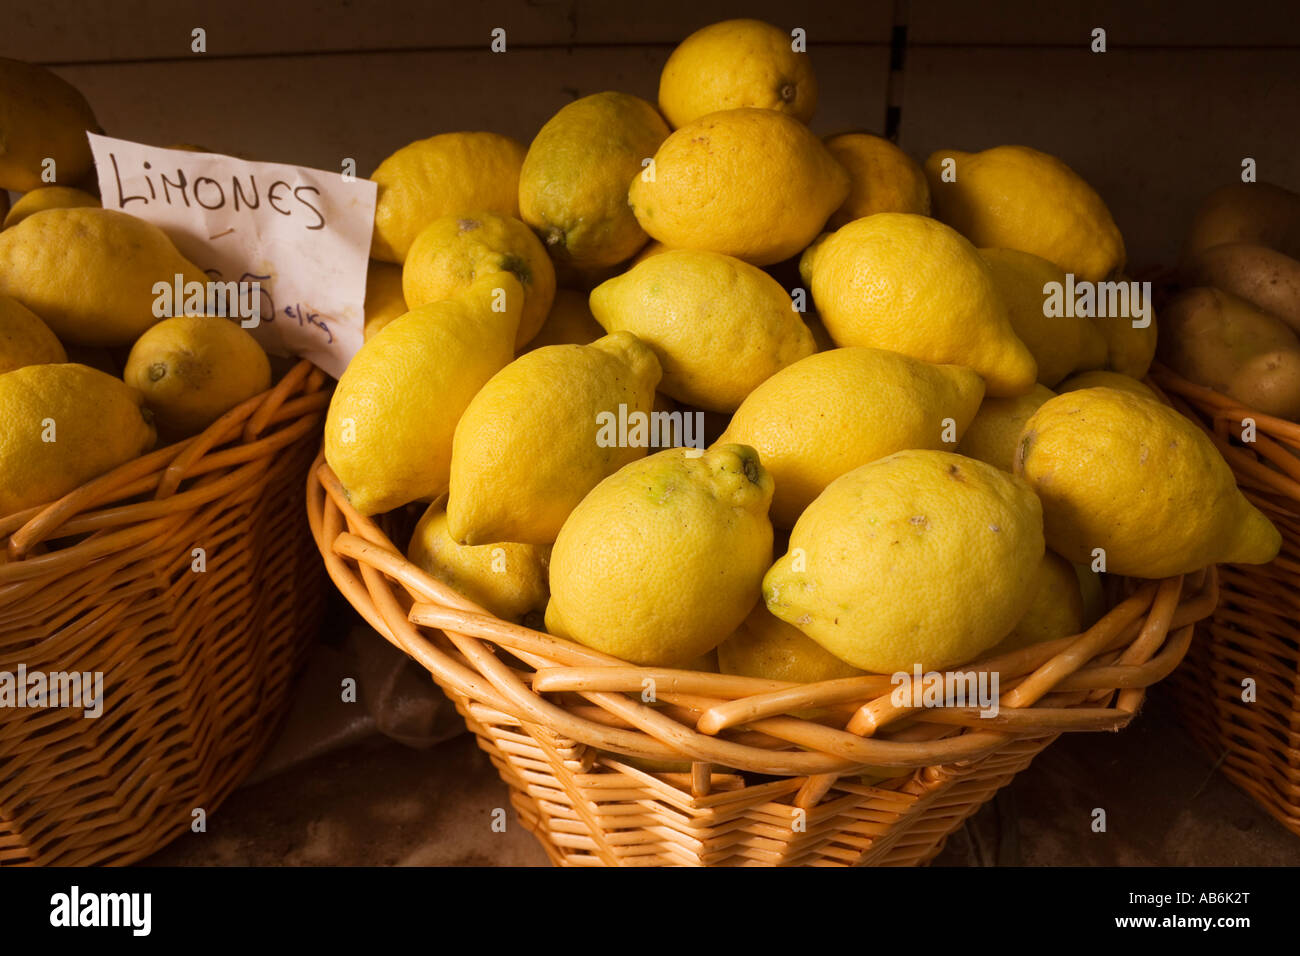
(196, 666)
(565, 728)
(1255, 632)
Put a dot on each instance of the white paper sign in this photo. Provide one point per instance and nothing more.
(302, 234)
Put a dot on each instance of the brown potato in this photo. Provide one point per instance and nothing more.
(1259, 213)
(1215, 339)
(1264, 277)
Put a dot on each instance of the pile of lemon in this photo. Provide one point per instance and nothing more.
(940, 465)
(90, 378)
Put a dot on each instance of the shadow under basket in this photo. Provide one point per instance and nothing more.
(724, 770)
(197, 649)
(1255, 631)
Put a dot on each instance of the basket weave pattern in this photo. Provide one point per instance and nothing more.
(761, 781)
(196, 666)
(1255, 632)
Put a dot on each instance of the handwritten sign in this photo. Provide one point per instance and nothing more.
(302, 234)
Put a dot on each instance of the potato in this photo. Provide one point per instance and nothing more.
(1215, 339)
(1259, 213)
(1264, 277)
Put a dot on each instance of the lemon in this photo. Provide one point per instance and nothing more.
(733, 64)
(651, 248)
(90, 273)
(1129, 349)
(1059, 344)
(50, 197)
(719, 326)
(1100, 378)
(766, 647)
(882, 178)
(1014, 197)
(570, 322)
(994, 433)
(827, 414)
(549, 411)
(573, 186)
(64, 425)
(663, 559)
(391, 420)
(384, 300)
(25, 339)
(452, 252)
(922, 557)
(452, 174)
(506, 579)
(750, 183)
(193, 369)
(1094, 596)
(910, 284)
(1056, 611)
(41, 117)
(1131, 476)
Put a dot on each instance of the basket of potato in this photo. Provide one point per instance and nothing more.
(157, 582)
(795, 523)
(1230, 358)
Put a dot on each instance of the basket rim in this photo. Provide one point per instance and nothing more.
(1086, 682)
(227, 453)
(1276, 440)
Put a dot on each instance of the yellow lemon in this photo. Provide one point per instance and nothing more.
(827, 414)
(392, 417)
(910, 284)
(750, 183)
(719, 326)
(452, 174)
(552, 409)
(42, 117)
(384, 300)
(922, 557)
(452, 252)
(1014, 197)
(651, 248)
(733, 64)
(1130, 349)
(1059, 344)
(1133, 477)
(506, 579)
(994, 432)
(90, 273)
(766, 647)
(570, 322)
(573, 186)
(25, 339)
(882, 178)
(64, 425)
(192, 369)
(1056, 611)
(663, 559)
(50, 197)
(1100, 378)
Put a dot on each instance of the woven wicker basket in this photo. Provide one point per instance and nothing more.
(1255, 632)
(564, 725)
(196, 666)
